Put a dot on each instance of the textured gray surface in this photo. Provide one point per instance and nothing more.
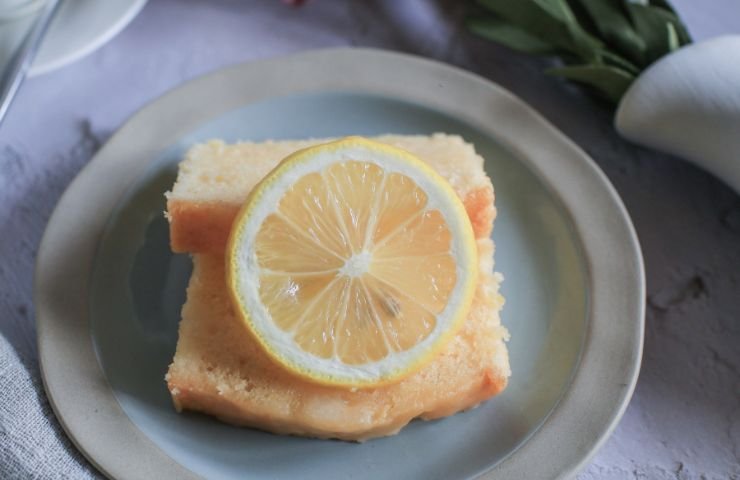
(684, 420)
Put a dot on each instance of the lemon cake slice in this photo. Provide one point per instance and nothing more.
(215, 178)
(219, 369)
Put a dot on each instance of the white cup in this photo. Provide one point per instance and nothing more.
(14, 9)
(16, 18)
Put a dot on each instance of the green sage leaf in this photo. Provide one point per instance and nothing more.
(662, 4)
(546, 24)
(558, 9)
(613, 25)
(673, 43)
(605, 44)
(610, 82)
(615, 60)
(651, 23)
(561, 11)
(508, 35)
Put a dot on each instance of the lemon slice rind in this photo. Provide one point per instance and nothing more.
(243, 270)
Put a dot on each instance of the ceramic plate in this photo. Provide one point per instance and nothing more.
(109, 291)
(80, 27)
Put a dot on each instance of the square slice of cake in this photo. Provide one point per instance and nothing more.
(214, 179)
(219, 369)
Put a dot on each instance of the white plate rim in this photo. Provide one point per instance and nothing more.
(604, 380)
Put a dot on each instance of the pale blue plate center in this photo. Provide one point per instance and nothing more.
(139, 286)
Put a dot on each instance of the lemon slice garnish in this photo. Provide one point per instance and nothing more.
(352, 263)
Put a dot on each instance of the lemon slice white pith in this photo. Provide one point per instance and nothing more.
(352, 263)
